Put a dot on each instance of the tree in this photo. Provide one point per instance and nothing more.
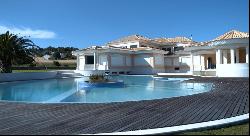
(57, 55)
(14, 50)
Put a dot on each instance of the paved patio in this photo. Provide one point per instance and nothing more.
(229, 98)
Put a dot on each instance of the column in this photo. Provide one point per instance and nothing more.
(94, 60)
(172, 50)
(206, 63)
(202, 62)
(237, 54)
(124, 60)
(109, 62)
(153, 60)
(247, 52)
(97, 61)
(218, 56)
(132, 60)
(192, 62)
(225, 57)
(77, 62)
(232, 52)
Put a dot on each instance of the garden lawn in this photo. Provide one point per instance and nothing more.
(242, 129)
(17, 71)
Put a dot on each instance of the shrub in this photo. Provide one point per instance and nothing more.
(97, 78)
(32, 64)
(56, 63)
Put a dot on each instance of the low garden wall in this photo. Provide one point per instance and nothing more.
(204, 73)
(233, 70)
(43, 68)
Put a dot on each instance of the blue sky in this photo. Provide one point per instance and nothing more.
(81, 23)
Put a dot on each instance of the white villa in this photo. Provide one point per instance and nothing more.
(225, 56)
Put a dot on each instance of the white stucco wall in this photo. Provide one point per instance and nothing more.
(81, 62)
(158, 63)
(232, 70)
(159, 60)
(117, 60)
(128, 60)
(185, 63)
(176, 62)
(197, 63)
(186, 60)
(196, 59)
(103, 62)
(128, 44)
(168, 61)
(143, 60)
(202, 63)
(143, 64)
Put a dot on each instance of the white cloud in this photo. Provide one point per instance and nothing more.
(40, 34)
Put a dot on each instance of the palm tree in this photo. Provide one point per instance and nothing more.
(13, 50)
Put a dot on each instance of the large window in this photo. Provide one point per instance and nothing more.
(133, 46)
(178, 48)
(89, 59)
(169, 51)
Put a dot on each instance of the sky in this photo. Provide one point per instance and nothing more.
(83, 23)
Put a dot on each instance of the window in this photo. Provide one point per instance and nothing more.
(176, 68)
(169, 51)
(133, 46)
(89, 59)
(106, 72)
(178, 48)
(121, 72)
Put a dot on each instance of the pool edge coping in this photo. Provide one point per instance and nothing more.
(182, 128)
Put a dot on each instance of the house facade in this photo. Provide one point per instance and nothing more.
(225, 56)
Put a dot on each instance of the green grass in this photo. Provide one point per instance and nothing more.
(242, 129)
(17, 71)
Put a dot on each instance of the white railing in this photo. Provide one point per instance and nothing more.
(88, 66)
(102, 67)
(90, 72)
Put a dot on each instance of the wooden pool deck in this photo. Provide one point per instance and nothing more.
(228, 98)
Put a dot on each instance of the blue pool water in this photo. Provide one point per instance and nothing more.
(70, 90)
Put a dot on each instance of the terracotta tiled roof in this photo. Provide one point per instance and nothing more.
(173, 40)
(232, 35)
(160, 41)
(130, 38)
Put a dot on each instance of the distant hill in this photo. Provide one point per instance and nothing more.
(54, 53)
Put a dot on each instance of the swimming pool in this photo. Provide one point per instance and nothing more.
(69, 90)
